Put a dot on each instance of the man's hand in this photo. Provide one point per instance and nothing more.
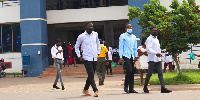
(135, 59)
(145, 53)
(81, 58)
(197, 55)
(159, 55)
(121, 59)
(59, 51)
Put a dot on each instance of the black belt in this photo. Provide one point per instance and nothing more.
(58, 59)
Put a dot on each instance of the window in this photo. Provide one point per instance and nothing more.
(10, 38)
(7, 38)
(16, 38)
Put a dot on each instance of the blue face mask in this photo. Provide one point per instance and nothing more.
(129, 30)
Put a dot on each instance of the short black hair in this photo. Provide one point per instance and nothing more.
(142, 43)
(58, 40)
(152, 27)
(87, 23)
(127, 24)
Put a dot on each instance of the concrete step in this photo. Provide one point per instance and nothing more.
(73, 71)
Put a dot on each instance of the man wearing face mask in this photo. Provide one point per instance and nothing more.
(91, 49)
(154, 60)
(57, 55)
(128, 52)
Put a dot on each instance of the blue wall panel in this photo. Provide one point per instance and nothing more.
(33, 9)
(136, 27)
(33, 31)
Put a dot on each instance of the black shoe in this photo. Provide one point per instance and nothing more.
(63, 87)
(146, 90)
(101, 82)
(133, 91)
(54, 86)
(126, 89)
(165, 90)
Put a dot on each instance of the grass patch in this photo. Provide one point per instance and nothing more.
(13, 73)
(189, 76)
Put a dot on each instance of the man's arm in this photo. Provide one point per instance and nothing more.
(135, 48)
(77, 45)
(121, 45)
(98, 45)
(197, 55)
(53, 52)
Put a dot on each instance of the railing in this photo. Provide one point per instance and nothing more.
(4, 4)
(77, 4)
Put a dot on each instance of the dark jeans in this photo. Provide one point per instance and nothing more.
(90, 68)
(158, 67)
(109, 67)
(129, 77)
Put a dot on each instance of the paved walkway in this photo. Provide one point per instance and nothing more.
(112, 82)
(16, 88)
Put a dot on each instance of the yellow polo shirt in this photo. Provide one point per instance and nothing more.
(103, 51)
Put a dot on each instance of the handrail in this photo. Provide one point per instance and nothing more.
(78, 4)
(9, 3)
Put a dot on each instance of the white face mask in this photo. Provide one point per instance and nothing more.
(129, 30)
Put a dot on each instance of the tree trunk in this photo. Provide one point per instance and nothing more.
(177, 63)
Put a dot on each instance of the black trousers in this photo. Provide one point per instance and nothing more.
(129, 77)
(90, 68)
(109, 67)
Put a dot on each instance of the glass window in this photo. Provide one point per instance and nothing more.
(16, 38)
(7, 38)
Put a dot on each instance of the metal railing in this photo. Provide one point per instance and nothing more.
(9, 3)
(78, 4)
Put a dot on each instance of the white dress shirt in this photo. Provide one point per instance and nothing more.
(90, 45)
(168, 58)
(153, 47)
(109, 55)
(54, 50)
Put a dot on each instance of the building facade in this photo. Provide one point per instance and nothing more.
(31, 26)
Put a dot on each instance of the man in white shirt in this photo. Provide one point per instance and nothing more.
(154, 60)
(57, 55)
(168, 61)
(91, 49)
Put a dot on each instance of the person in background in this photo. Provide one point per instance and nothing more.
(70, 58)
(142, 53)
(74, 54)
(101, 63)
(65, 54)
(168, 61)
(115, 56)
(57, 55)
(109, 61)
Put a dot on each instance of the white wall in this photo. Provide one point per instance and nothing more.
(16, 60)
(167, 3)
(10, 15)
(87, 14)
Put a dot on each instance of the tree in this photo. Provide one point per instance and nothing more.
(177, 28)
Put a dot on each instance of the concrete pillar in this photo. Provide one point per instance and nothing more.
(108, 33)
(33, 26)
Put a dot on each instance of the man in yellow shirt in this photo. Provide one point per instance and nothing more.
(101, 63)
